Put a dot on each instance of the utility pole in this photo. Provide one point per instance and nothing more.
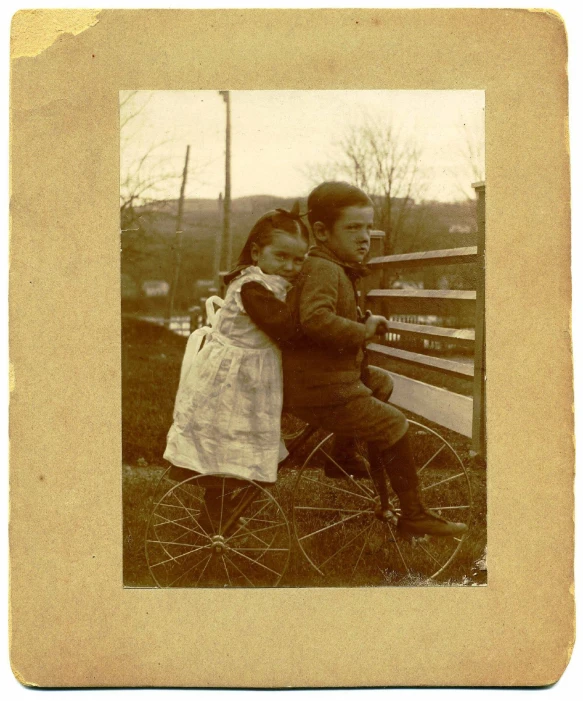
(177, 242)
(227, 240)
(218, 249)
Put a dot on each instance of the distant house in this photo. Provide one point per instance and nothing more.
(407, 285)
(203, 287)
(460, 229)
(155, 288)
(202, 290)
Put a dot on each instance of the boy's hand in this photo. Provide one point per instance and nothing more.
(375, 324)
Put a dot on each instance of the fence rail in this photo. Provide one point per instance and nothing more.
(440, 302)
(421, 259)
(450, 367)
(464, 337)
(460, 413)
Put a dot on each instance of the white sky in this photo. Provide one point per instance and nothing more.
(276, 135)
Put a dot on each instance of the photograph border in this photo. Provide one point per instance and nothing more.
(63, 483)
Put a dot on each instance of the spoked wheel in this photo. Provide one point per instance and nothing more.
(343, 534)
(240, 538)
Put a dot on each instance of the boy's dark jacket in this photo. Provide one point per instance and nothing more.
(323, 367)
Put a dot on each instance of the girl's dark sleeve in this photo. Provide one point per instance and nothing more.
(271, 316)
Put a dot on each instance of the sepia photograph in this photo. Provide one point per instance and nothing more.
(302, 290)
(290, 306)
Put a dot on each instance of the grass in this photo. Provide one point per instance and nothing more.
(151, 365)
(151, 359)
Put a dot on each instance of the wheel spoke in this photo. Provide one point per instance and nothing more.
(204, 568)
(175, 542)
(256, 562)
(239, 570)
(331, 525)
(197, 524)
(396, 541)
(348, 542)
(447, 479)
(338, 489)
(180, 486)
(283, 550)
(437, 562)
(248, 532)
(367, 489)
(204, 534)
(346, 473)
(222, 504)
(331, 508)
(190, 496)
(189, 509)
(432, 458)
(259, 520)
(251, 534)
(250, 518)
(210, 518)
(226, 570)
(447, 508)
(165, 519)
(175, 559)
(190, 570)
(364, 544)
(169, 506)
(180, 506)
(177, 539)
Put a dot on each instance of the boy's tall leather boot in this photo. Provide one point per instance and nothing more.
(345, 453)
(399, 464)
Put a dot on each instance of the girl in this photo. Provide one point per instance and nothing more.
(227, 413)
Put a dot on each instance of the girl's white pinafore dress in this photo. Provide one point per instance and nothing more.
(227, 414)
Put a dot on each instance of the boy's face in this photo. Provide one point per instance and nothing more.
(283, 256)
(349, 237)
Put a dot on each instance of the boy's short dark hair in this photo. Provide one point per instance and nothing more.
(326, 201)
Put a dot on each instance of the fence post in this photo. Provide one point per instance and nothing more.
(372, 281)
(479, 410)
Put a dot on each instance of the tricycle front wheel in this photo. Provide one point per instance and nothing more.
(239, 539)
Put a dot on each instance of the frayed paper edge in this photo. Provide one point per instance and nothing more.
(34, 31)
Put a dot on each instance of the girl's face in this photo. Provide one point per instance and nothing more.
(283, 256)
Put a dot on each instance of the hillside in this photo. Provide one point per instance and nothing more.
(148, 236)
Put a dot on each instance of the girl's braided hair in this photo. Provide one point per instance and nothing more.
(262, 233)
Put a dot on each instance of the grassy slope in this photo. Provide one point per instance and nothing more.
(151, 358)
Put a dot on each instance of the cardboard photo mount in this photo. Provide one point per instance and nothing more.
(72, 622)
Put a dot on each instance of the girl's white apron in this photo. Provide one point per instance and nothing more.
(227, 414)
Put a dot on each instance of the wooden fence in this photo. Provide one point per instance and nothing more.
(464, 414)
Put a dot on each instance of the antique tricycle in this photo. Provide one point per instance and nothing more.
(338, 523)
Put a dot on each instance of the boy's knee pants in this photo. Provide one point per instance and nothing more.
(370, 418)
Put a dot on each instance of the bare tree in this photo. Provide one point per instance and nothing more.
(142, 174)
(148, 172)
(146, 176)
(380, 159)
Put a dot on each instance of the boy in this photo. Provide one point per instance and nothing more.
(324, 383)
